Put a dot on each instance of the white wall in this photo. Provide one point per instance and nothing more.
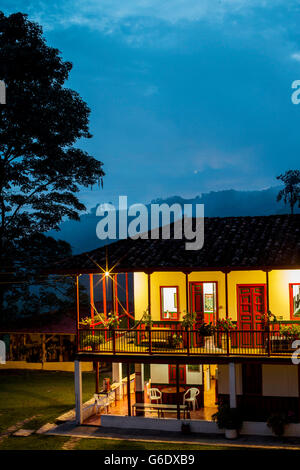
(277, 380)
(194, 378)
(159, 374)
(280, 380)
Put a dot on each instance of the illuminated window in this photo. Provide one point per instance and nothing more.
(169, 303)
(295, 300)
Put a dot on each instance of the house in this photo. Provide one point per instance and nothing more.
(247, 273)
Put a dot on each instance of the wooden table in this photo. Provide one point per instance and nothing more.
(160, 408)
(169, 394)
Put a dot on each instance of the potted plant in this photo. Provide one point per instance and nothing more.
(112, 321)
(91, 342)
(229, 419)
(206, 331)
(289, 333)
(225, 324)
(147, 319)
(176, 341)
(277, 422)
(188, 320)
(186, 428)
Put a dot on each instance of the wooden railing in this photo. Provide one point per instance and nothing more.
(183, 342)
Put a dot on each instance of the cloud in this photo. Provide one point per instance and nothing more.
(106, 15)
(296, 56)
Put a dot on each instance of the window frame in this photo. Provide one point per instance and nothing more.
(291, 284)
(174, 315)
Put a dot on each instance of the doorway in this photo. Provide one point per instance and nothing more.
(251, 312)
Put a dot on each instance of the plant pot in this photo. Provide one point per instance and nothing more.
(231, 433)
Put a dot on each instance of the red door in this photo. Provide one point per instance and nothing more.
(251, 313)
(197, 302)
(172, 374)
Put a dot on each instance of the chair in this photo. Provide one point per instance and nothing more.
(155, 394)
(190, 397)
(101, 402)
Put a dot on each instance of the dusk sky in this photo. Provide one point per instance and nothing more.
(186, 96)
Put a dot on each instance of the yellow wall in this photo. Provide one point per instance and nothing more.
(279, 281)
(279, 291)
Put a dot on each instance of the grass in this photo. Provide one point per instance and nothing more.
(109, 444)
(43, 394)
(46, 395)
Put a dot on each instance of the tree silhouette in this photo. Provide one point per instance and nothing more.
(291, 191)
(41, 169)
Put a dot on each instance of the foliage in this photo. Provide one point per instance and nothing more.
(112, 321)
(206, 329)
(277, 422)
(228, 418)
(100, 322)
(290, 332)
(225, 324)
(188, 320)
(147, 319)
(175, 340)
(41, 169)
(291, 191)
(92, 341)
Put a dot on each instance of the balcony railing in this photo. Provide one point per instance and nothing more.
(184, 342)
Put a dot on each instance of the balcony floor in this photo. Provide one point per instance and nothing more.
(120, 408)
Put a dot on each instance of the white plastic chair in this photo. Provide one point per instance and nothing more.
(190, 397)
(101, 402)
(155, 394)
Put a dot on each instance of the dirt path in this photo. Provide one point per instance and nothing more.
(15, 428)
(71, 443)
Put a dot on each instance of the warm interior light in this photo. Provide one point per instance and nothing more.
(106, 273)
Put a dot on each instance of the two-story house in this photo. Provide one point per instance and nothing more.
(248, 271)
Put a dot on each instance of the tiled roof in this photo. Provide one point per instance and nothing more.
(230, 242)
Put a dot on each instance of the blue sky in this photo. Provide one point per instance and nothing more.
(186, 96)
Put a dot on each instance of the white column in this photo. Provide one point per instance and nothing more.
(78, 392)
(117, 378)
(232, 385)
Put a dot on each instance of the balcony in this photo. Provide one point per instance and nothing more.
(186, 343)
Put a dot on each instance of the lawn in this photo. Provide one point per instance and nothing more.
(46, 395)
(43, 394)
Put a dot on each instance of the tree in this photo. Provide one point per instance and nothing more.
(291, 191)
(41, 169)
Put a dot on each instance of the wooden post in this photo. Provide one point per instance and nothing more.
(149, 294)
(226, 294)
(128, 389)
(177, 391)
(116, 294)
(104, 300)
(61, 348)
(77, 312)
(187, 291)
(114, 340)
(43, 349)
(113, 294)
(92, 296)
(104, 295)
(127, 300)
(97, 376)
